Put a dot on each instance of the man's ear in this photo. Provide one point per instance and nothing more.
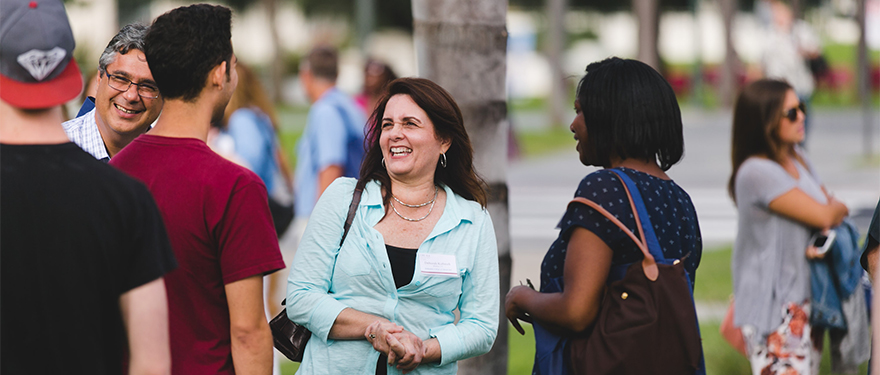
(218, 75)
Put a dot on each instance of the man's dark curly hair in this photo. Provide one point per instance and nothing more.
(184, 44)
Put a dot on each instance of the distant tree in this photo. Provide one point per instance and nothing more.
(863, 74)
(276, 64)
(647, 14)
(731, 65)
(392, 14)
(556, 38)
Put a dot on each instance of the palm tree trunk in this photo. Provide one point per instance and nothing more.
(558, 101)
(462, 45)
(648, 16)
(728, 87)
(863, 74)
(277, 63)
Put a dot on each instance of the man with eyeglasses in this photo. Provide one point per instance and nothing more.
(127, 99)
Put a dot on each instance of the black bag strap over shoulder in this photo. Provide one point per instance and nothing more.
(352, 209)
(290, 338)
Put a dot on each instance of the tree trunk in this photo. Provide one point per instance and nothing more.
(728, 86)
(797, 9)
(277, 63)
(863, 74)
(558, 101)
(648, 17)
(365, 17)
(461, 45)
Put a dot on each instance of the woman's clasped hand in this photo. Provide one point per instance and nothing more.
(403, 349)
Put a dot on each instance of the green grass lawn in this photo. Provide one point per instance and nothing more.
(713, 282)
(721, 359)
(553, 139)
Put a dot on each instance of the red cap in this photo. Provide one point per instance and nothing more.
(63, 88)
(37, 69)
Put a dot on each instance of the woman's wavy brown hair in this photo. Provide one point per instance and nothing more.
(756, 117)
(444, 113)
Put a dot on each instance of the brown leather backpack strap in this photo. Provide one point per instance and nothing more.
(634, 211)
(604, 212)
(649, 264)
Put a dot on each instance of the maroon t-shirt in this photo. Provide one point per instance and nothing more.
(221, 231)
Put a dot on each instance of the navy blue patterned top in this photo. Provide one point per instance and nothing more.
(670, 208)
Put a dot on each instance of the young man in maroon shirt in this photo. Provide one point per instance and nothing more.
(216, 212)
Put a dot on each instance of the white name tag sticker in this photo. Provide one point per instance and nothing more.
(438, 264)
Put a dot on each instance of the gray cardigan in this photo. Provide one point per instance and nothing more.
(769, 265)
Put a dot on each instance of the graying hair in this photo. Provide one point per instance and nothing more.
(130, 37)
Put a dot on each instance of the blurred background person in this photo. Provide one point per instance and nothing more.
(377, 74)
(252, 124)
(88, 95)
(332, 143)
(249, 136)
(780, 203)
(421, 246)
(789, 45)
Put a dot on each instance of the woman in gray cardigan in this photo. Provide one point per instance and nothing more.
(780, 202)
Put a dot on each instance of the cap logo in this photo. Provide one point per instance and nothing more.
(40, 63)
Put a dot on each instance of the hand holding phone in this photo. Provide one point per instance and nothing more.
(822, 241)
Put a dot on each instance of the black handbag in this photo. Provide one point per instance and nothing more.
(647, 323)
(290, 338)
(282, 215)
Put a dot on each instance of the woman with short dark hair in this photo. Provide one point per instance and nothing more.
(421, 246)
(779, 201)
(627, 119)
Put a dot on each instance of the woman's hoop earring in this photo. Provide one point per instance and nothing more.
(443, 159)
(383, 163)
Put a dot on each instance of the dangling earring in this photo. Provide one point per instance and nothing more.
(383, 163)
(443, 159)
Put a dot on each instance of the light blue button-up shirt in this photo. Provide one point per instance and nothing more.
(326, 279)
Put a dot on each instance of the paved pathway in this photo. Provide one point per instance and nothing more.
(540, 188)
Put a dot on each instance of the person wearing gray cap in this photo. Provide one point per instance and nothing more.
(84, 246)
(126, 101)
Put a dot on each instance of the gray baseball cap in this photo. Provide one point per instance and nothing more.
(37, 69)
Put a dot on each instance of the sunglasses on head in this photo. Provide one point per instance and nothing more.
(791, 113)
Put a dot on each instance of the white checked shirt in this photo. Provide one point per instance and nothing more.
(83, 131)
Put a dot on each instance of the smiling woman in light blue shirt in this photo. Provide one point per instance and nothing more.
(421, 246)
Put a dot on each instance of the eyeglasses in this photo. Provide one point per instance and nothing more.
(119, 83)
(791, 113)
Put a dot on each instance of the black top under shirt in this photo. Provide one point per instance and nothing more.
(403, 265)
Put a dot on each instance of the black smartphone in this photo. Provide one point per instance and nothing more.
(822, 241)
